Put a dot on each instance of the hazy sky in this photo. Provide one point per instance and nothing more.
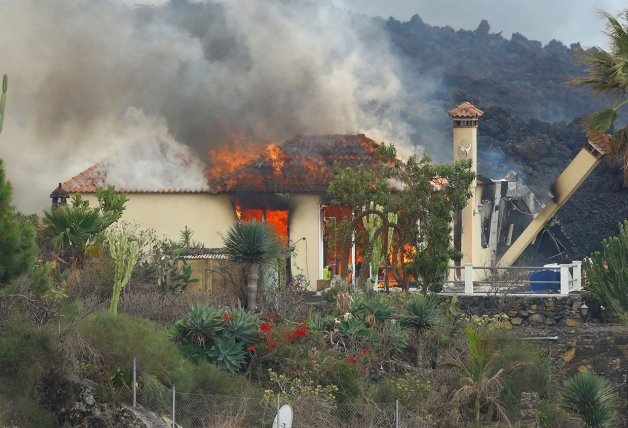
(566, 20)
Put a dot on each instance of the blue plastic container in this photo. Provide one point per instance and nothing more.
(542, 280)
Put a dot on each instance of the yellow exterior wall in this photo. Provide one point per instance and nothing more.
(305, 222)
(207, 216)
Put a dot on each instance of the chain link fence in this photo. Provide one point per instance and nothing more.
(187, 410)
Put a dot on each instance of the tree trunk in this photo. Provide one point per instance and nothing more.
(252, 286)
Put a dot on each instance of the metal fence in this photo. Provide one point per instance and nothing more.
(187, 410)
(482, 280)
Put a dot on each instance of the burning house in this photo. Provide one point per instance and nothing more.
(283, 186)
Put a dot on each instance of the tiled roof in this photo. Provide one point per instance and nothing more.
(302, 164)
(466, 110)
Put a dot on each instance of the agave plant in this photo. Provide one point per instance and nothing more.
(317, 322)
(393, 337)
(420, 315)
(242, 326)
(200, 327)
(379, 309)
(228, 354)
(357, 305)
(353, 330)
(251, 243)
(592, 398)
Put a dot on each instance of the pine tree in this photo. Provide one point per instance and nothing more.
(17, 240)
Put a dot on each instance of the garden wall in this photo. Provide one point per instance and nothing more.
(523, 310)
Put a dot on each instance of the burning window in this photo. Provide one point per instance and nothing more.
(278, 219)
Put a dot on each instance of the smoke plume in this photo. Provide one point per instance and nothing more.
(90, 78)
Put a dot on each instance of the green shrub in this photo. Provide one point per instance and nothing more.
(119, 339)
(526, 366)
(27, 354)
(410, 389)
(345, 377)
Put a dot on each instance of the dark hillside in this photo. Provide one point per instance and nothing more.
(522, 75)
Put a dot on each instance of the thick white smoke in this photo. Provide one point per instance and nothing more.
(89, 78)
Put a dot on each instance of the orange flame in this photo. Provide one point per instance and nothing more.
(238, 211)
(276, 157)
(235, 151)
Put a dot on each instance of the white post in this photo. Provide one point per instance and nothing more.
(278, 411)
(174, 425)
(468, 278)
(564, 279)
(134, 383)
(396, 413)
(577, 275)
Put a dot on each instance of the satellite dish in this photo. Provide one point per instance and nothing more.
(284, 417)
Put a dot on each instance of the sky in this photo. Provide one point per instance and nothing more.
(568, 21)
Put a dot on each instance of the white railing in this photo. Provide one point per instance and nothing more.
(483, 280)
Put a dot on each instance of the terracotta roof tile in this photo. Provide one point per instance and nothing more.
(466, 110)
(302, 164)
(307, 165)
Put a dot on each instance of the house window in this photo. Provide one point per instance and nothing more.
(278, 219)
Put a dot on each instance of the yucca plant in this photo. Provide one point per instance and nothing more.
(242, 326)
(252, 244)
(228, 354)
(357, 305)
(592, 398)
(420, 314)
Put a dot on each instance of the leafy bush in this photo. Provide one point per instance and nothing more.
(592, 398)
(27, 355)
(526, 366)
(607, 274)
(116, 340)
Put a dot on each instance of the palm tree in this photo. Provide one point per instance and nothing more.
(608, 73)
(74, 228)
(592, 398)
(420, 315)
(252, 244)
(481, 384)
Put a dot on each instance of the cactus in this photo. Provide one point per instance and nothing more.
(124, 254)
(3, 99)
(372, 222)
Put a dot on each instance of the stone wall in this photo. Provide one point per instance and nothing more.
(524, 310)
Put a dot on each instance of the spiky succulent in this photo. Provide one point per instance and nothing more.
(592, 398)
(228, 354)
(200, 326)
(251, 243)
(421, 313)
(242, 326)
